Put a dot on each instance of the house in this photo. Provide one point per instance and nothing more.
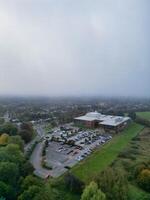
(95, 119)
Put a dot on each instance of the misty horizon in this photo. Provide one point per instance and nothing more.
(74, 49)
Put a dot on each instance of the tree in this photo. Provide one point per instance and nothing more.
(26, 135)
(30, 193)
(27, 126)
(48, 193)
(132, 115)
(16, 140)
(9, 173)
(11, 153)
(9, 128)
(26, 132)
(144, 179)
(29, 181)
(26, 169)
(4, 139)
(143, 121)
(113, 183)
(73, 183)
(6, 191)
(91, 192)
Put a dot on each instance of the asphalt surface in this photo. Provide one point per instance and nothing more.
(36, 156)
(35, 159)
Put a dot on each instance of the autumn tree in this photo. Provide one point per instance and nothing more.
(143, 179)
(4, 139)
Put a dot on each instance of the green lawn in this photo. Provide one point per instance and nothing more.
(145, 115)
(104, 156)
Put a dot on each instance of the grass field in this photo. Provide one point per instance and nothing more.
(145, 115)
(105, 155)
(137, 151)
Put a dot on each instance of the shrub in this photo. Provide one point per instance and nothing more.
(143, 179)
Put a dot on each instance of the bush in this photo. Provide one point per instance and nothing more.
(143, 179)
(127, 164)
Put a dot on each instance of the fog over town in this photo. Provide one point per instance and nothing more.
(74, 100)
(74, 48)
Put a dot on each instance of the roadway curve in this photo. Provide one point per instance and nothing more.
(35, 159)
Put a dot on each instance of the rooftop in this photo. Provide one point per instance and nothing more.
(103, 119)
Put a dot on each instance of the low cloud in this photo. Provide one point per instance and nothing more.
(67, 47)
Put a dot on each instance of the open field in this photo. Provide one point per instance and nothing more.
(145, 115)
(105, 155)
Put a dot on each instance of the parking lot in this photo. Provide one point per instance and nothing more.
(62, 155)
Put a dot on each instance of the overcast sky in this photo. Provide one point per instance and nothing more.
(75, 47)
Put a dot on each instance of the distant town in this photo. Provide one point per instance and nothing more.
(59, 136)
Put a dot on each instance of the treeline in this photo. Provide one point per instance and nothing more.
(142, 121)
(25, 131)
(138, 119)
(16, 175)
(13, 167)
(107, 185)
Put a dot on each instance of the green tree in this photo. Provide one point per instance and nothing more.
(30, 193)
(9, 128)
(6, 191)
(13, 154)
(9, 173)
(29, 181)
(73, 183)
(91, 192)
(26, 169)
(48, 193)
(113, 183)
(16, 140)
(132, 115)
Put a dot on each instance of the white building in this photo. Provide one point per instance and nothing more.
(95, 119)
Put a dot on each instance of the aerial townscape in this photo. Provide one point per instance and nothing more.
(50, 148)
(74, 100)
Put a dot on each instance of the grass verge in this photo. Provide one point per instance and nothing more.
(106, 154)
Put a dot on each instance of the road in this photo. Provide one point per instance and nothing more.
(36, 156)
(35, 159)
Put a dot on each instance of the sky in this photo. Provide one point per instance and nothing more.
(75, 47)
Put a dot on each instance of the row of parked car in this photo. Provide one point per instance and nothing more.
(91, 145)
